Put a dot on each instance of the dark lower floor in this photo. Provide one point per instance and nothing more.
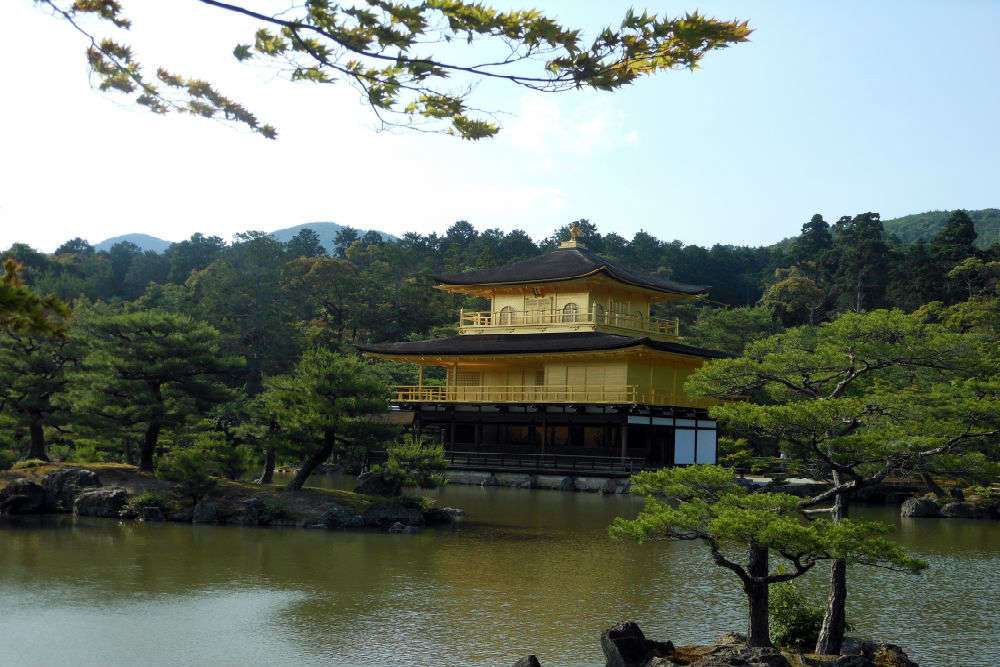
(653, 436)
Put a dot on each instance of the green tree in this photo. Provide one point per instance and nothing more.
(794, 297)
(77, 246)
(34, 371)
(305, 244)
(381, 48)
(858, 399)
(415, 461)
(153, 369)
(331, 400)
(705, 503)
(731, 329)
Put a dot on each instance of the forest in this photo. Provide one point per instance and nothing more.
(189, 349)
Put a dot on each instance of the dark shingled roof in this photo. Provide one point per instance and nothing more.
(565, 264)
(527, 343)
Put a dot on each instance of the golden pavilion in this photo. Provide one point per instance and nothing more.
(567, 361)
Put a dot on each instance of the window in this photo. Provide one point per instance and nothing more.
(506, 316)
(599, 314)
(569, 312)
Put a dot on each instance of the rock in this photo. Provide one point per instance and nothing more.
(377, 484)
(491, 481)
(528, 661)
(741, 655)
(255, 512)
(382, 515)
(919, 507)
(731, 639)
(313, 524)
(624, 645)
(876, 651)
(63, 486)
(567, 484)
(610, 486)
(444, 515)
(398, 528)
(205, 512)
(151, 513)
(853, 661)
(342, 517)
(103, 502)
(959, 511)
(22, 496)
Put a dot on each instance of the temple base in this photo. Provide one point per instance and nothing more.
(632, 436)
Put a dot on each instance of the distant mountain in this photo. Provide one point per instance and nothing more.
(327, 232)
(911, 228)
(144, 241)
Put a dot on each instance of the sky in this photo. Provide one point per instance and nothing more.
(832, 107)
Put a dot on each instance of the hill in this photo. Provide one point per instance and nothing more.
(144, 241)
(911, 228)
(327, 232)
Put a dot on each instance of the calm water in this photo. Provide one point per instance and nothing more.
(532, 572)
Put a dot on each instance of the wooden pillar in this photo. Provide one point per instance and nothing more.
(625, 438)
(545, 430)
(420, 377)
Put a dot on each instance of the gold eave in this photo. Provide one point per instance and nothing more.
(638, 351)
(486, 289)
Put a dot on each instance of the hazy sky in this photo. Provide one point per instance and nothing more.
(833, 107)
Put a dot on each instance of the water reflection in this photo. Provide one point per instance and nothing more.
(533, 571)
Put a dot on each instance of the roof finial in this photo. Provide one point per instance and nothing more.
(574, 231)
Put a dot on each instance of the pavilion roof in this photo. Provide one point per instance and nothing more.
(494, 344)
(566, 264)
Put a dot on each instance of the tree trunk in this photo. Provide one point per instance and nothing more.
(932, 486)
(831, 633)
(37, 448)
(267, 474)
(149, 446)
(756, 587)
(314, 461)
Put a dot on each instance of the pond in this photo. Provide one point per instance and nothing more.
(531, 572)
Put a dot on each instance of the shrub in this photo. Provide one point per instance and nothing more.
(224, 457)
(794, 622)
(7, 459)
(982, 495)
(416, 462)
(187, 469)
(735, 453)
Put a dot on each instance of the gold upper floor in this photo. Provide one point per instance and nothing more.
(590, 304)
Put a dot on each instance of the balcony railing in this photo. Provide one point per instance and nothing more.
(617, 394)
(484, 319)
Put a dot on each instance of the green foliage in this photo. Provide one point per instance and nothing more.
(795, 623)
(735, 453)
(730, 330)
(188, 469)
(416, 462)
(7, 459)
(150, 370)
(327, 403)
(381, 49)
